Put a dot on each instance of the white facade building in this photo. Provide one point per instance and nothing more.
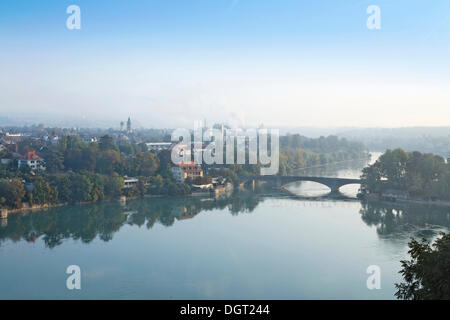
(130, 182)
(178, 174)
(33, 161)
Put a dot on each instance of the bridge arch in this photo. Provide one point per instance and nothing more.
(333, 183)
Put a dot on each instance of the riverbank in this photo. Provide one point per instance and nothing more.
(27, 208)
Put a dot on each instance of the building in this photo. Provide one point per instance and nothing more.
(186, 170)
(12, 138)
(159, 146)
(178, 174)
(89, 139)
(129, 128)
(130, 182)
(52, 139)
(32, 160)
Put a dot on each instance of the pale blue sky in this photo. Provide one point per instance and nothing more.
(282, 62)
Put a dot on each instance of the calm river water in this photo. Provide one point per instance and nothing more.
(252, 245)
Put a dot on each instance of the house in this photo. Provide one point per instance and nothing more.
(130, 182)
(32, 160)
(12, 138)
(52, 139)
(89, 139)
(186, 170)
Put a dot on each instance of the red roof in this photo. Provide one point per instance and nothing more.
(32, 156)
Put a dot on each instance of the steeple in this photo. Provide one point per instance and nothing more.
(129, 128)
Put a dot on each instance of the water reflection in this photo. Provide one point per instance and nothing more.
(405, 220)
(86, 223)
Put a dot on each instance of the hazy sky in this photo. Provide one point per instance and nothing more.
(279, 62)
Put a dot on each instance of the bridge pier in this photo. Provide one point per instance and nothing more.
(334, 189)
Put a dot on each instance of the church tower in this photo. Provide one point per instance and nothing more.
(129, 128)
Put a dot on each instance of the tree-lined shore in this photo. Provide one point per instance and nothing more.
(418, 175)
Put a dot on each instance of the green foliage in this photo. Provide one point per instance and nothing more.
(113, 186)
(422, 175)
(24, 169)
(162, 186)
(12, 192)
(81, 187)
(108, 162)
(43, 192)
(427, 275)
(104, 158)
(107, 143)
(143, 164)
(54, 160)
(63, 184)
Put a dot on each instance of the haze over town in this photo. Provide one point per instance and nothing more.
(285, 63)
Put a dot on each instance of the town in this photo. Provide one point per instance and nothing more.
(42, 166)
(48, 166)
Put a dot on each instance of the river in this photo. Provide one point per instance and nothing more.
(265, 244)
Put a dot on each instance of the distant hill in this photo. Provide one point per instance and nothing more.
(424, 139)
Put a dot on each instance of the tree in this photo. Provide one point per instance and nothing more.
(113, 187)
(108, 162)
(107, 143)
(81, 187)
(421, 175)
(63, 185)
(25, 169)
(165, 160)
(88, 159)
(427, 275)
(157, 185)
(43, 192)
(54, 160)
(148, 164)
(12, 192)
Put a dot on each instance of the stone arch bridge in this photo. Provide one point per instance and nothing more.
(333, 183)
